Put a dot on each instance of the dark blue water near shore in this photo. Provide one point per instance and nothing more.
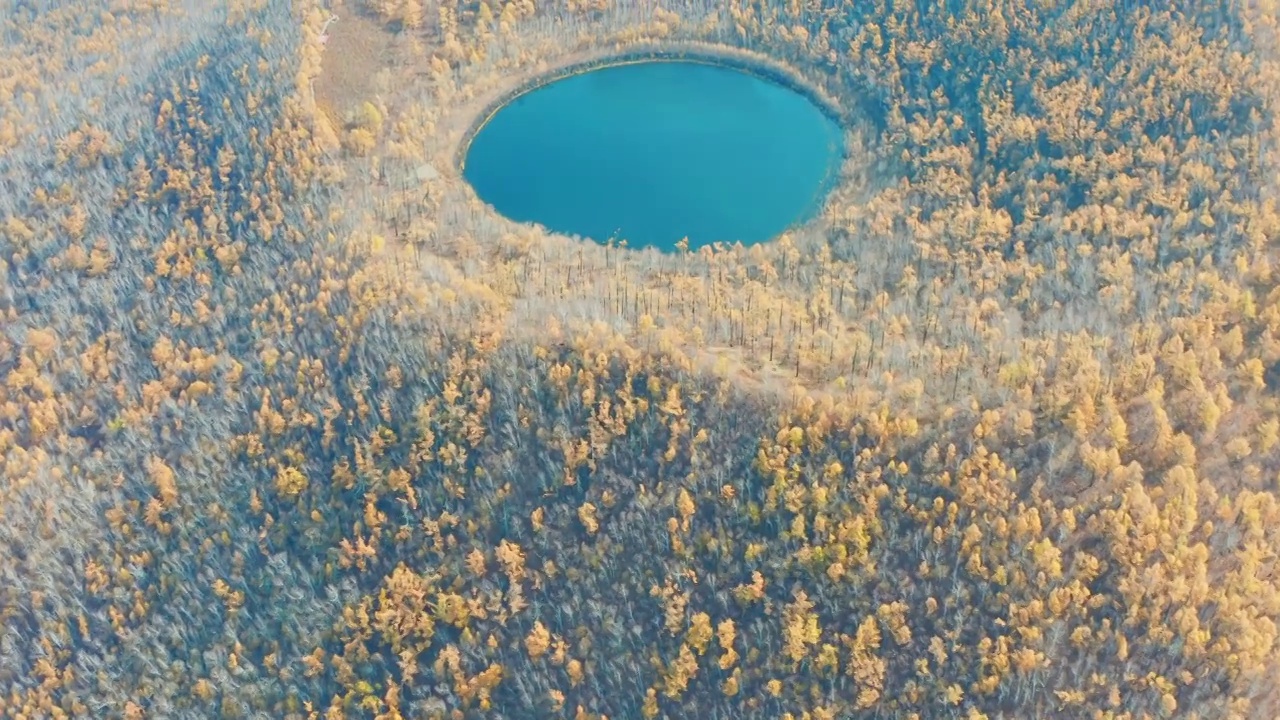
(657, 151)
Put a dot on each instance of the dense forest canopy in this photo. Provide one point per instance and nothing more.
(291, 425)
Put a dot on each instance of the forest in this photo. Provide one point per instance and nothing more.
(293, 426)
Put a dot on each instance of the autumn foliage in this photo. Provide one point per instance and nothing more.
(296, 428)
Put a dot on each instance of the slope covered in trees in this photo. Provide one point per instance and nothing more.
(997, 436)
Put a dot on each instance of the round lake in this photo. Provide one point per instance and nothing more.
(656, 151)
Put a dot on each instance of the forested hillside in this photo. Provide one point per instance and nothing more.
(292, 426)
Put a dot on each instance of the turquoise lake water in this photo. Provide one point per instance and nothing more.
(657, 151)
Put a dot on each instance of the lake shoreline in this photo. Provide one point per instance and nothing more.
(752, 63)
(695, 149)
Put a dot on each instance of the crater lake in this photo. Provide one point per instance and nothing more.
(655, 151)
